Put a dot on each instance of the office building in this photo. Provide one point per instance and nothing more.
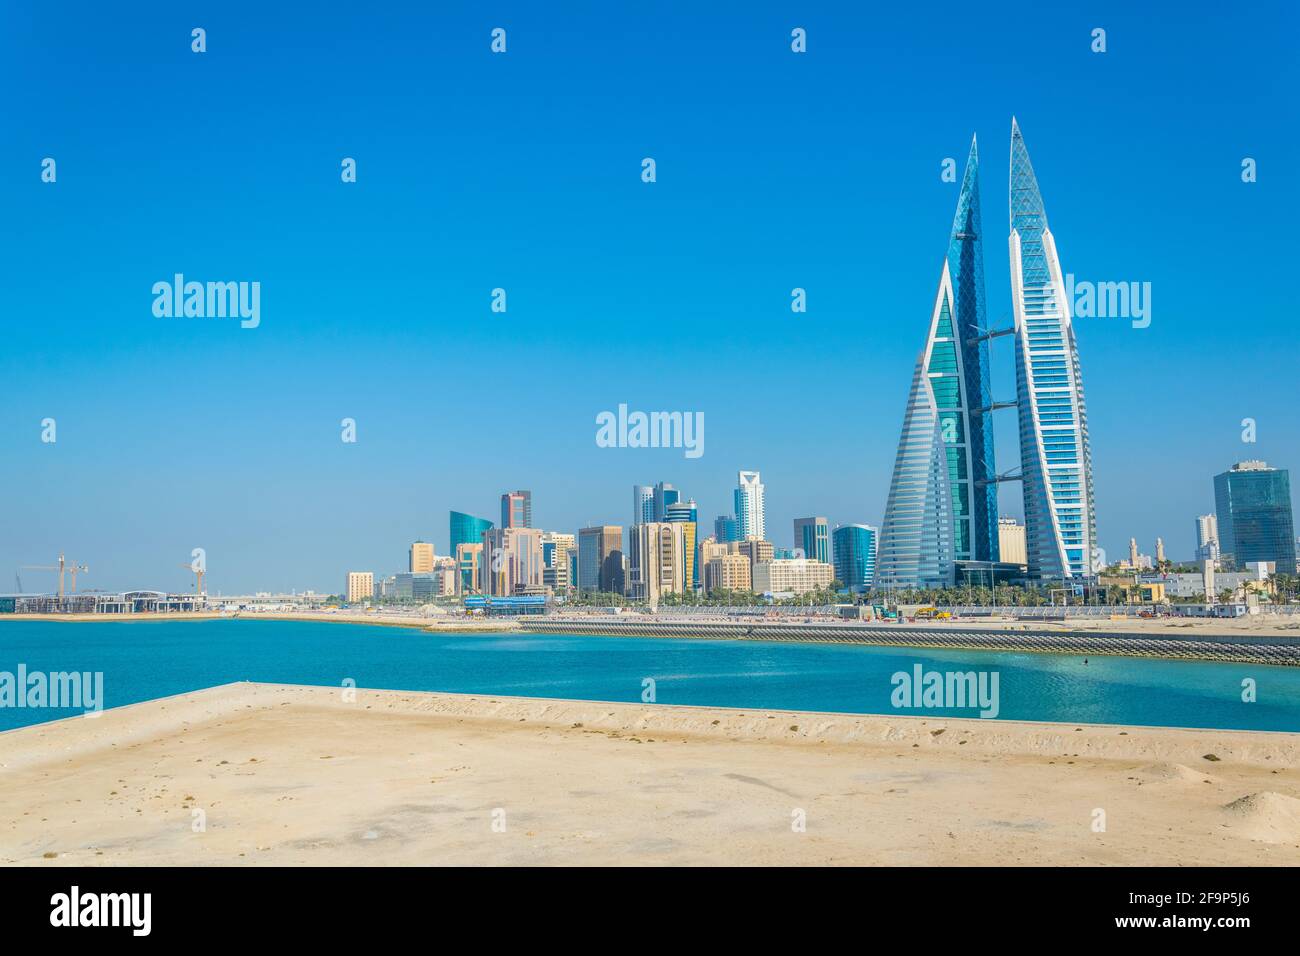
(942, 505)
(1011, 541)
(643, 504)
(600, 559)
(420, 558)
(1252, 502)
(469, 556)
(557, 549)
(791, 576)
(361, 586)
(727, 572)
(656, 560)
(664, 496)
(1055, 455)
(1207, 538)
(854, 550)
(511, 562)
(724, 528)
(517, 509)
(466, 529)
(751, 516)
(812, 536)
(758, 552)
(686, 513)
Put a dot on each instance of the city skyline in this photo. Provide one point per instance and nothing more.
(371, 290)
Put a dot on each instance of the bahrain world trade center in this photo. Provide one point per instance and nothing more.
(942, 508)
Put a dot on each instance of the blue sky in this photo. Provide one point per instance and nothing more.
(522, 171)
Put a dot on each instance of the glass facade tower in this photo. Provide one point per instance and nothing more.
(813, 537)
(466, 529)
(854, 548)
(966, 269)
(1055, 457)
(942, 506)
(1253, 505)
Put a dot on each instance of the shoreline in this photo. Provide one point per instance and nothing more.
(462, 701)
(431, 624)
(1268, 645)
(294, 775)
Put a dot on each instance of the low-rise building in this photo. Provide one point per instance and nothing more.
(360, 586)
(727, 572)
(791, 576)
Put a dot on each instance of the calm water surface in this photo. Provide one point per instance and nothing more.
(144, 660)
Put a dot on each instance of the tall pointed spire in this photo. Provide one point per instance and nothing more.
(1027, 211)
(1055, 458)
(979, 540)
(941, 507)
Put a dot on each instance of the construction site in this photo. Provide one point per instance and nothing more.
(67, 600)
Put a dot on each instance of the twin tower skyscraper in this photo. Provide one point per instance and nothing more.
(942, 510)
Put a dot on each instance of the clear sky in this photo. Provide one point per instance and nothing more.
(523, 171)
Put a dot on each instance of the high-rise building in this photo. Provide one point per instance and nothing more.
(665, 495)
(657, 560)
(1207, 538)
(469, 555)
(854, 552)
(942, 505)
(556, 550)
(966, 272)
(707, 549)
(517, 509)
(420, 558)
(682, 511)
(751, 516)
(1253, 505)
(466, 529)
(643, 504)
(511, 561)
(686, 513)
(1011, 541)
(361, 586)
(600, 559)
(724, 528)
(812, 536)
(758, 552)
(1055, 455)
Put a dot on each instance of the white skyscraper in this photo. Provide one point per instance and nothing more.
(1207, 538)
(1055, 458)
(751, 520)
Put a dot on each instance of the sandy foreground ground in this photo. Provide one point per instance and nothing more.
(263, 774)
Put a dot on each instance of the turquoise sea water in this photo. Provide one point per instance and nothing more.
(144, 660)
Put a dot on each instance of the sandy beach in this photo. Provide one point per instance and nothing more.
(258, 774)
(1254, 626)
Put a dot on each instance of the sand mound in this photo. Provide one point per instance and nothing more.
(1171, 772)
(1266, 816)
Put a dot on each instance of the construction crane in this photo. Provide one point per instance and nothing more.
(73, 569)
(198, 576)
(61, 567)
